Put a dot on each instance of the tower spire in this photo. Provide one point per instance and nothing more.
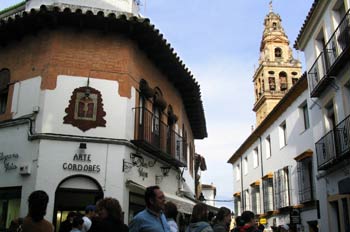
(270, 4)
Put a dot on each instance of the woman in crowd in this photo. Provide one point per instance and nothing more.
(223, 220)
(199, 219)
(109, 217)
(170, 212)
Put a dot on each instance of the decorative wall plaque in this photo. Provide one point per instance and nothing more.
(85, 109)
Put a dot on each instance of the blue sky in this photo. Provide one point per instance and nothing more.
(219, 42)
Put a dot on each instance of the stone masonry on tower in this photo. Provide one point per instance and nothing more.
(278, 71)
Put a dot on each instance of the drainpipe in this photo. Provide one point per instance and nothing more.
(242, 200)
(262, 174)
(261, 158)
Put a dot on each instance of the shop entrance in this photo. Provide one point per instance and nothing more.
(74, 194)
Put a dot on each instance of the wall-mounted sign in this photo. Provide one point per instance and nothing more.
(81, 164)
(85, 109)
(295, 216)
(7, 160)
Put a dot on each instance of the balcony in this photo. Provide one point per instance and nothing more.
(332, 59)
(334, 146)
(157, 138)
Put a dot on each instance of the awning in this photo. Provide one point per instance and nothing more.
(184, 205)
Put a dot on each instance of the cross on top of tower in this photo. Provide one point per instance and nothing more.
(270, 4)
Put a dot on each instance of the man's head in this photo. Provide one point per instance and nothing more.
(90, 211)
(154, 198)
(37, 203)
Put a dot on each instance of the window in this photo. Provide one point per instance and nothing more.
(274, 25)
(10, 201)
(268, 147)
(256, 157)
(238, 172)
(283, 134)
(256, 199)
(278, 53)
(339, 213)
(272, 83)
(237, 204)
(329, 116)
(245, 165)
(268, 194)
(283, 81)
(141, 109)
(338, 12)
(246, 199)
(191, 159)
(4, 89)
(281, 180)
(305, 113)
(305, 181)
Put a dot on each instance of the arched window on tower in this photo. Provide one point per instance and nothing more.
(4, 89)
(283, 81)
(278, 53)
(274, 25)
(272, 83)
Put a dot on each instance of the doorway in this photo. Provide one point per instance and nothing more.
(74, 194)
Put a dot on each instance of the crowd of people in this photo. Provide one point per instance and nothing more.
(107, 216)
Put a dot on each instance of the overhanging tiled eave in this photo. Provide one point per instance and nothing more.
(140, 30)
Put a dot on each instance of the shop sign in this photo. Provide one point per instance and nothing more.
(81, 163)
(7, 159)
(295, 216)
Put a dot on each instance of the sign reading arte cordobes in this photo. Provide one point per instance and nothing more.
(7, 160)
(82, 164)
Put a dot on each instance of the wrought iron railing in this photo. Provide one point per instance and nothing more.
(335, 47)
(342, 137)
(317, 71)
(151, 130)
(325, 150)
(335, 145)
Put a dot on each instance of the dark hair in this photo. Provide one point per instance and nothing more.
(113, 208)
(77, 221)
(71, 214)
(170, 210)
(247, 216)
(150, 194)
(222, 213)
(199, 213)
(239, 221)
(90, 208)
(37, 203)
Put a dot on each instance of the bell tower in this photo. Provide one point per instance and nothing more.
(278, 71)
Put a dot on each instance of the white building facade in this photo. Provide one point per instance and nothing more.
(86, 115)
(324, 39)
(273, 168)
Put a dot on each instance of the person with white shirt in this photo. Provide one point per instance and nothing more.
(90, 212)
